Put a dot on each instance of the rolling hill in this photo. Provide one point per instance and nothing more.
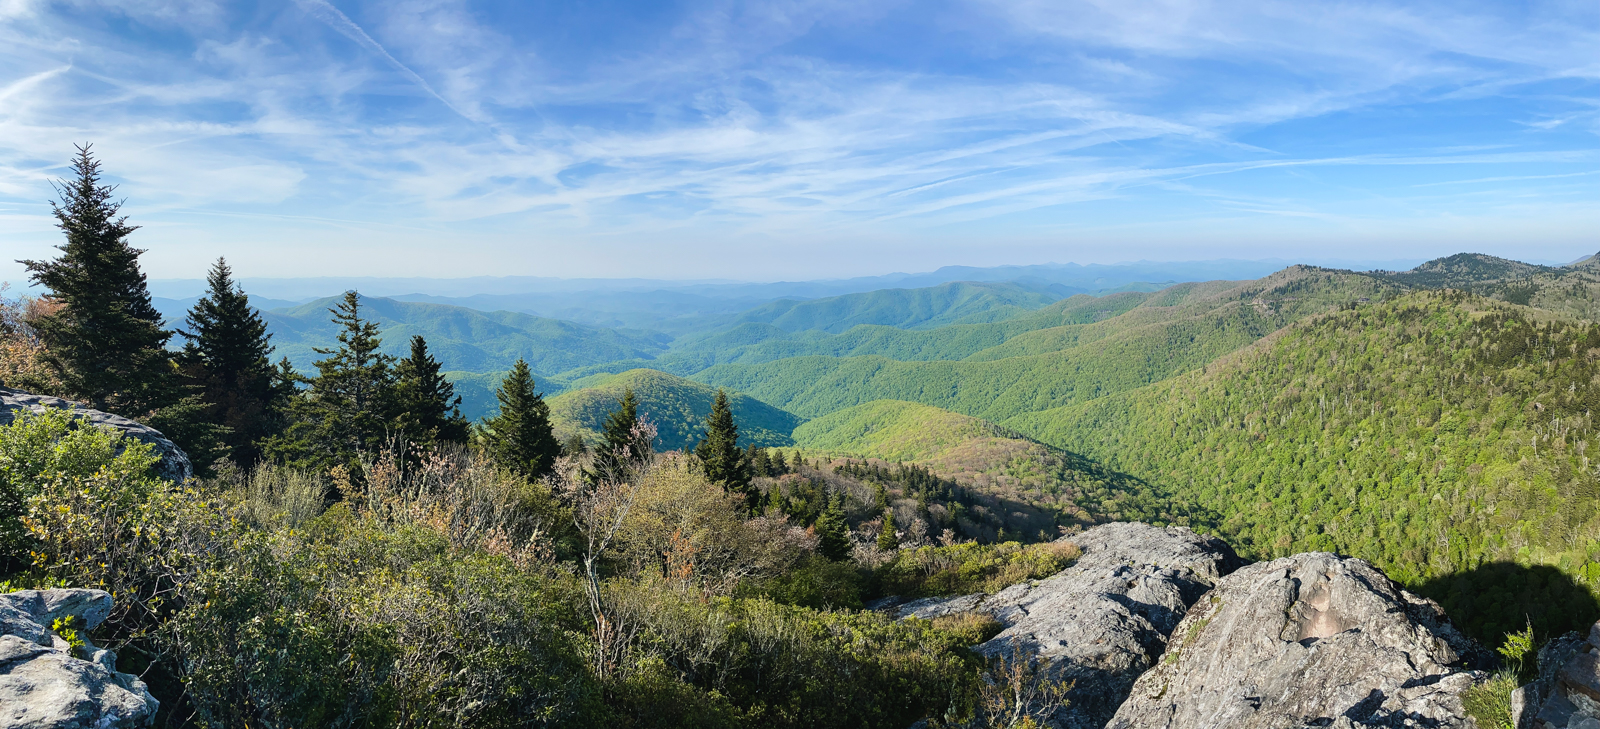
(989, 459)
(1062, 365)
(901, 308)
(677, 406)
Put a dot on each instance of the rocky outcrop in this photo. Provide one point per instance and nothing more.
(1308, 640)
(1105, 619)
(174, 465)
(47, 682)
(1567, 693)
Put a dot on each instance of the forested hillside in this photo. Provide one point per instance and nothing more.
(1434, 434)
(991, 460)
(677, 407)
(1062, 365)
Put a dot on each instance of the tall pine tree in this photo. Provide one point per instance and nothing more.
(349, 405)
(520, 438)
(104, 336)
(429, 410)
(226, 358)
(725, 464)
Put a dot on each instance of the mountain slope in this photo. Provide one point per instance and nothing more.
(990, 460)
(900, 308)
(1437, 435)
(461, 338)
(677, 406)
(1134, 349)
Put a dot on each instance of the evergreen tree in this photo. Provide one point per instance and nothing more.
(887, 539)
(104, 335)
(349, 404)
(226, 360)
(760, 462)
(779, 467)
(617, 436)
(520, 437)
(833, 539)
(429, 410)
(725, 464)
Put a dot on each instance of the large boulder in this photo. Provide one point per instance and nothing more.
(1567, 693)
(174, 465)
(1104, 620)
(47, 682)
(1309, 640)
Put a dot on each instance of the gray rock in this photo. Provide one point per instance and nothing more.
(1104, 620)
(1568, 684)
(45, 683)
(1308, 640)
(174, 465)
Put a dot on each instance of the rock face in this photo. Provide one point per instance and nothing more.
(46, 683)
(174, 465)
(1308, 640)
(1104, 620)
(1570, 691)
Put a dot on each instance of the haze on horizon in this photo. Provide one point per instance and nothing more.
(803, 140)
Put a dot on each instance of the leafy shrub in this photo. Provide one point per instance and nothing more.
(816, 582)
(969, 567)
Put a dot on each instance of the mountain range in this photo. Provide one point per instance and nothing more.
(1434, 420)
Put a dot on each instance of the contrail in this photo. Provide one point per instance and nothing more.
(327, 13)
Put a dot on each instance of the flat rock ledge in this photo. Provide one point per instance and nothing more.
(1312, 640)
(46, 683)
(174, 465)
(1104, 620)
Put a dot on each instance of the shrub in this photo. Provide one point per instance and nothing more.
(816, 582)
(970, 567)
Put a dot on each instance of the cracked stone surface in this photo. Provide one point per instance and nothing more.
(174, 465)
(1105, 619)
(46, 683)
(1567, 692)
(1309, 640)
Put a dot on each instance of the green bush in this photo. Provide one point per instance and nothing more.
(969, 567)
(54, 447)
(817, 583)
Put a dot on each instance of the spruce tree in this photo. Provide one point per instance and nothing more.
(779, 467)
(725, 464)
(887, 539)
(226, 360)
(429, 412)
(349, 405)
(520, 438)
(833, 539)
(104, 335)
(617, 437)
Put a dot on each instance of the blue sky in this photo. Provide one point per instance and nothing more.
(787, 140)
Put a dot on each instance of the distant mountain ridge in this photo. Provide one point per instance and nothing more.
(462, 338)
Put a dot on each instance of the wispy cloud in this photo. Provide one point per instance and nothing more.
(644, 137)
